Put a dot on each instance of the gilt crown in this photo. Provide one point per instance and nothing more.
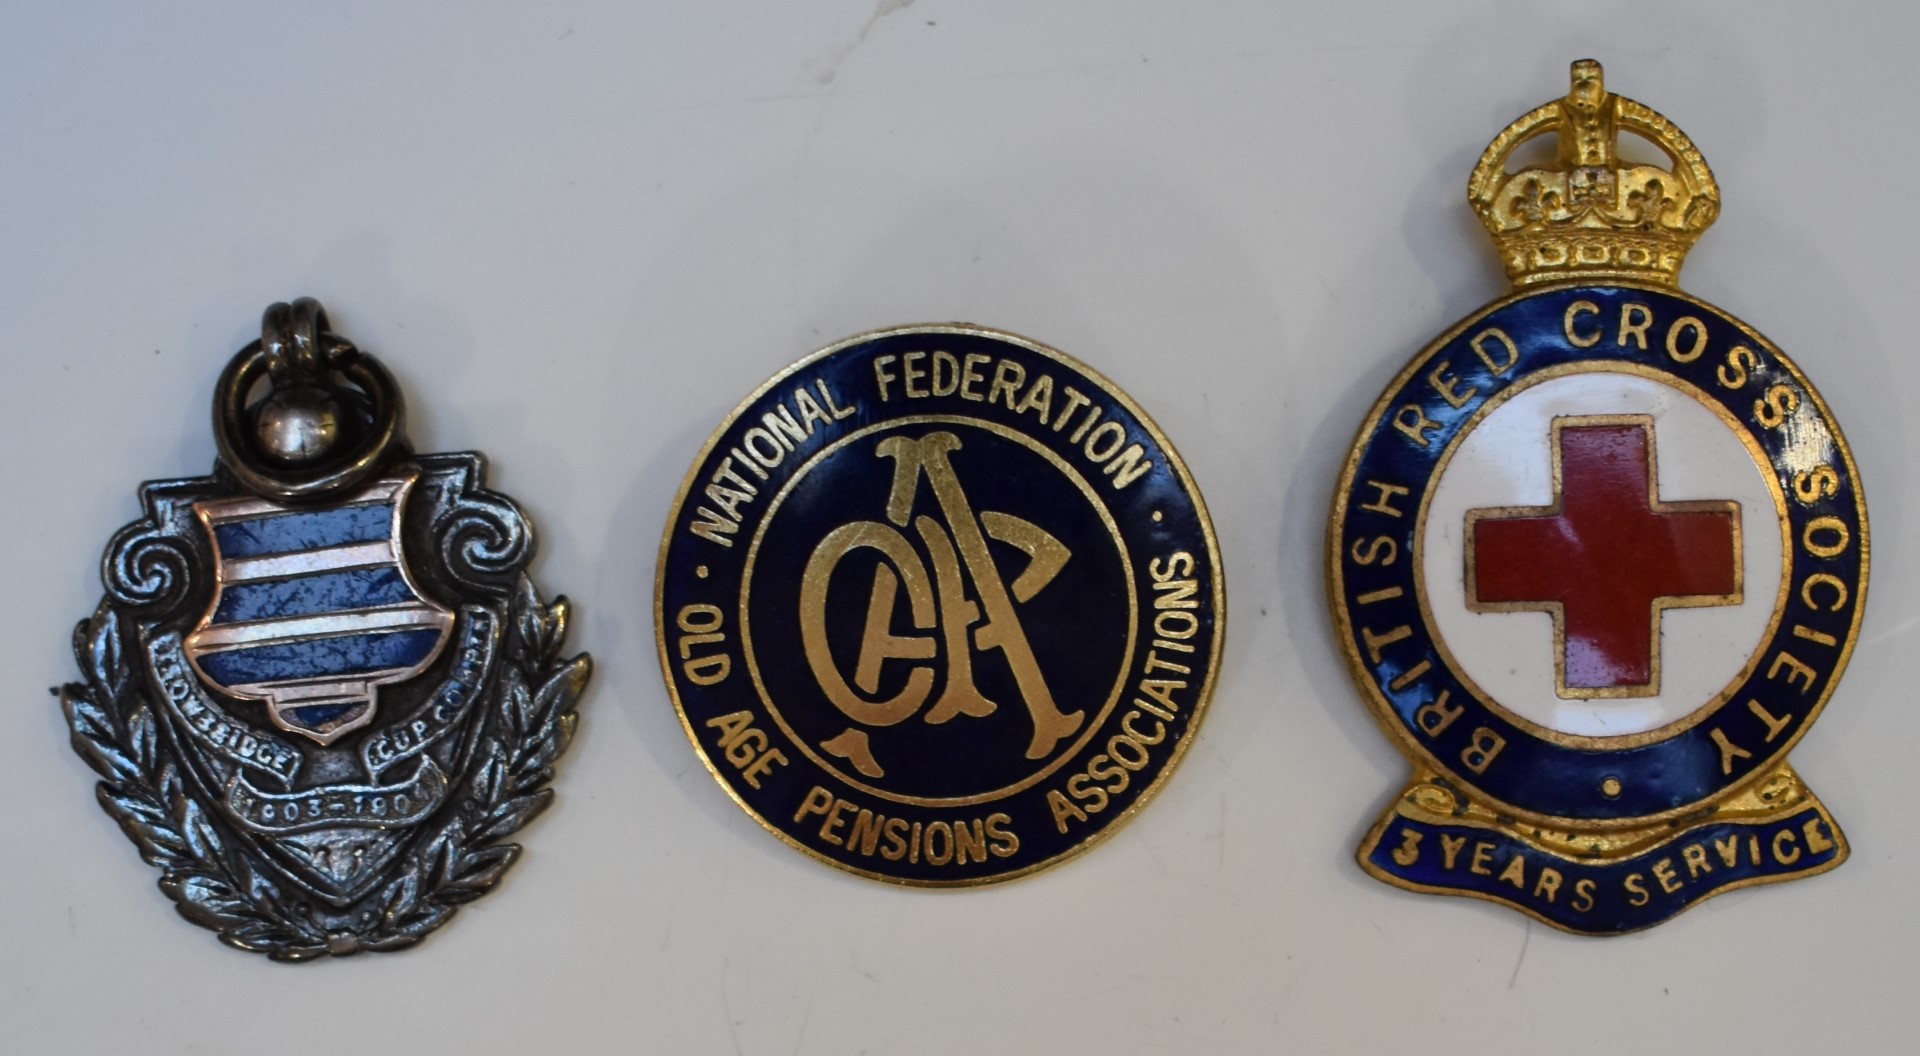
(1588, 214)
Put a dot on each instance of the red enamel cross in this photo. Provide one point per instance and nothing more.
(1606, 558)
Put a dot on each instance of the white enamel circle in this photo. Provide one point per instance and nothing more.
(1507, 461)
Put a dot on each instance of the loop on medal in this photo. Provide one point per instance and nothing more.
(290, 335)
(329, 418)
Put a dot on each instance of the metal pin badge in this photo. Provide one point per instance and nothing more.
(321, 689)
(1598, 558)
(939, 605)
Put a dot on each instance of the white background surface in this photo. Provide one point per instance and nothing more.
(579, 233)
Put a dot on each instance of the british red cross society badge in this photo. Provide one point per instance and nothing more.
(1598, 558)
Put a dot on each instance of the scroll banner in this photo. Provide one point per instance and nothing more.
(472, 647)
(1604, 896)
(206, 721)
(339, 806)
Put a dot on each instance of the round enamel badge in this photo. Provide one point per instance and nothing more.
(1597, 560)
(939, 605)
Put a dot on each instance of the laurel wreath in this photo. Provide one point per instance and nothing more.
(214, 884)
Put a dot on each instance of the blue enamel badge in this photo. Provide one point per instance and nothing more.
(1598, 560)
(939, 605)
(321, 689)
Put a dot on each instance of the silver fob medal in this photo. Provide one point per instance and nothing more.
(321, 690)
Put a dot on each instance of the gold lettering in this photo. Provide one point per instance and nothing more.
(1075, 400)
(1376, 642)
(744, 745)
(1410, 676)
(1728, 751)
(712, 527)
(1802, 631)
(784, 428)
(1481, 749)
(836, 815)
(882, 376)
(756, 439)
(762, 765)
(1733, 373)
(702, 623)
(1806, 674)
(1479, 344)
(914, 374)
(1445, 384)
(731, 725)
(1663, 872)
(1823, 579)
(1039, 398)
(1161, 690)
(1696, 858)
(1413, 422)
(945, 852)
(1634, 320)
(1830, 526)
(1482, 860)
(878, 643)
(1134, 758)
(1581, 308)
(1159, 729)
(895, 833)
(729, 501)
(1774, 726)
(1548, 883)
(1434, 717)
(866, 829)
(1810, 486)
(1374, 547)
(833, 408)
(817, 801)
(1008, 376)
(1110, 434)
(1080, 431)
(1004, 843)
(1063, 808)
(1129, 467)
(1384, 502)
(946, 373)
(1699, 344)
(970, 376)
(1515, 873)
(810, 410)
(1817, 841)
(1771, 410)
(969, 842)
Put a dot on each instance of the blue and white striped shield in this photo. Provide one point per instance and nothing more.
(313, 609)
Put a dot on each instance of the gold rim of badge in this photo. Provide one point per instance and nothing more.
(1114, 693)
(1588, 828)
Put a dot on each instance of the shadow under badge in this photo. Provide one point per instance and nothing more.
(321, 688)
(1598, 558)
